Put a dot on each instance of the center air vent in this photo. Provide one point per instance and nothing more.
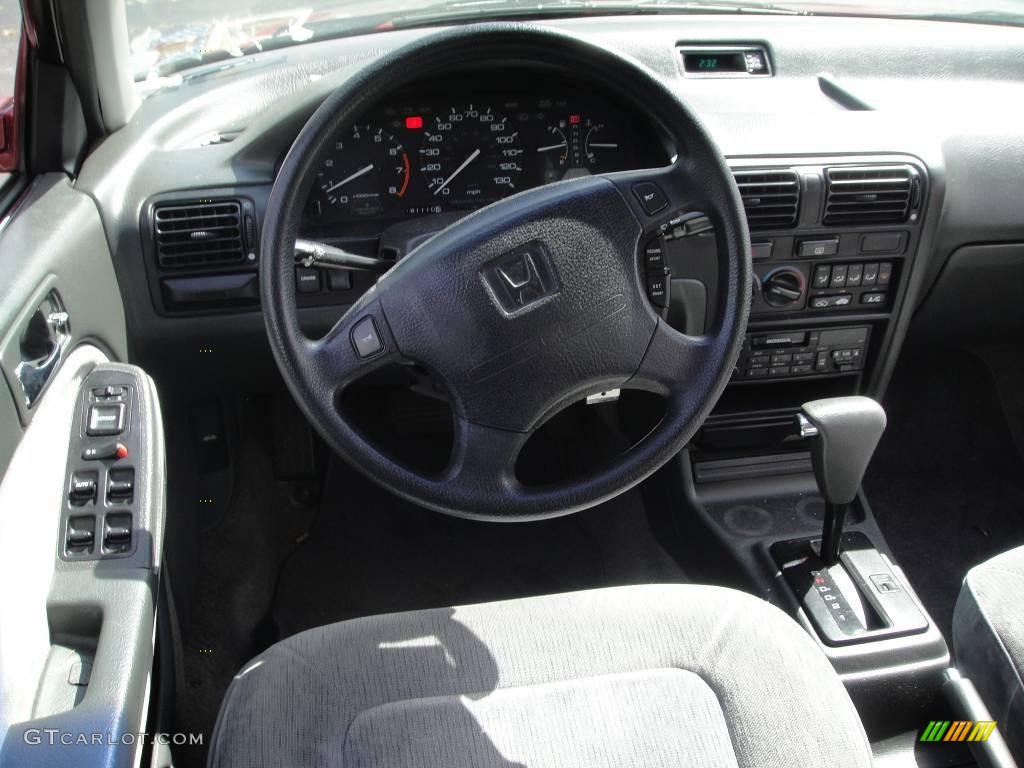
(199, 234)
(771, 198)
(869, 195)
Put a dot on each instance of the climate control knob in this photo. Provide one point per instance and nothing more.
(783, 287)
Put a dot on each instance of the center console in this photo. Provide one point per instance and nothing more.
(834, 246)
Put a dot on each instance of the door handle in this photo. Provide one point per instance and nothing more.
(33, 374)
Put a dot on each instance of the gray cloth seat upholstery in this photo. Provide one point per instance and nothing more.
(654, 675)
(988, 639)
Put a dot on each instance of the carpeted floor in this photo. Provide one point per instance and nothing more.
(370, 552)
(947, 481)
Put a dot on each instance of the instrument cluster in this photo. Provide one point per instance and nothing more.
(420, 156)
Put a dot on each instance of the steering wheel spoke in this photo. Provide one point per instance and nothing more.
(673, 363)
(657, 196)
(358, 343)
(484, 458)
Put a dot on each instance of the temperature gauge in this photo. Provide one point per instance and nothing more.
(597, 143)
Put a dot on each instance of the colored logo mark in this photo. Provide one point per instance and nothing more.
(958, 730)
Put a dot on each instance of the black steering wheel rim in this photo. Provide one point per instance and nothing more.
(623, 342)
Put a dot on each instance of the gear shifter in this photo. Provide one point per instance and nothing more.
(844, 433)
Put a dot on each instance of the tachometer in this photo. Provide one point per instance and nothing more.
(470, 156)
(364, 173)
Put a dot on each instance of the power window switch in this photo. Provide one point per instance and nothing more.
(81, 534)
(121, 486)
(117, 532)
(105, 419)
(83, 488)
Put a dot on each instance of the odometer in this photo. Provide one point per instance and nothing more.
(470, 156)
(365, 172)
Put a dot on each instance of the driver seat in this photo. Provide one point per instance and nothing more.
(653, 675)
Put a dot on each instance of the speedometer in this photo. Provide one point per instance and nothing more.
(471, 156)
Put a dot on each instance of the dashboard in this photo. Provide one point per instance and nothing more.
(442, 149)
(926, 123)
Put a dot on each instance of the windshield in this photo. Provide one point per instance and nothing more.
(168, 36)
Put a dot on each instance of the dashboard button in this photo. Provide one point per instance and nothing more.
(761, 251)
(854, 275)
(882, 242)
(801, 369)
(842, 300)
(822, 276)
(365, 338)
(872, 298)
(884, 273)
(650, 196)
(105, 419)
(870, 274)
(307, 280)
(339, 279)
(819, 247)
(838, 276)
(779, 370)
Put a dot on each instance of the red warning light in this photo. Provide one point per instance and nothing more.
(574, 119)
(414, 122)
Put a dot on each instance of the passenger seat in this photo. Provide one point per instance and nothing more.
(988, 638)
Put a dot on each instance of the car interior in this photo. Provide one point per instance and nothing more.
(506, 384)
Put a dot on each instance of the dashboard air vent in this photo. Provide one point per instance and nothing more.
(868, 195)
(771, 197)
(198, 234)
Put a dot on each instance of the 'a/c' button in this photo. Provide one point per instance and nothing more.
(365, 338)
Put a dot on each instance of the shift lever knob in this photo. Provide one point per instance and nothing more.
(845, 432)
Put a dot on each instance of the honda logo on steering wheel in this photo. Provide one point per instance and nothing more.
(521, 280)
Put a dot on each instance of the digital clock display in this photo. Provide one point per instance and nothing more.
(706, 63)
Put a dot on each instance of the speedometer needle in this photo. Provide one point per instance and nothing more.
(347, 179)
(473, 156)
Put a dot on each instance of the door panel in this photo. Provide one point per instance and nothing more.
(76, 624)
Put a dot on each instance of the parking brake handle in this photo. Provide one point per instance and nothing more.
(844, 432)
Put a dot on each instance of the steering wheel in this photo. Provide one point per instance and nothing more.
(524, 306)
